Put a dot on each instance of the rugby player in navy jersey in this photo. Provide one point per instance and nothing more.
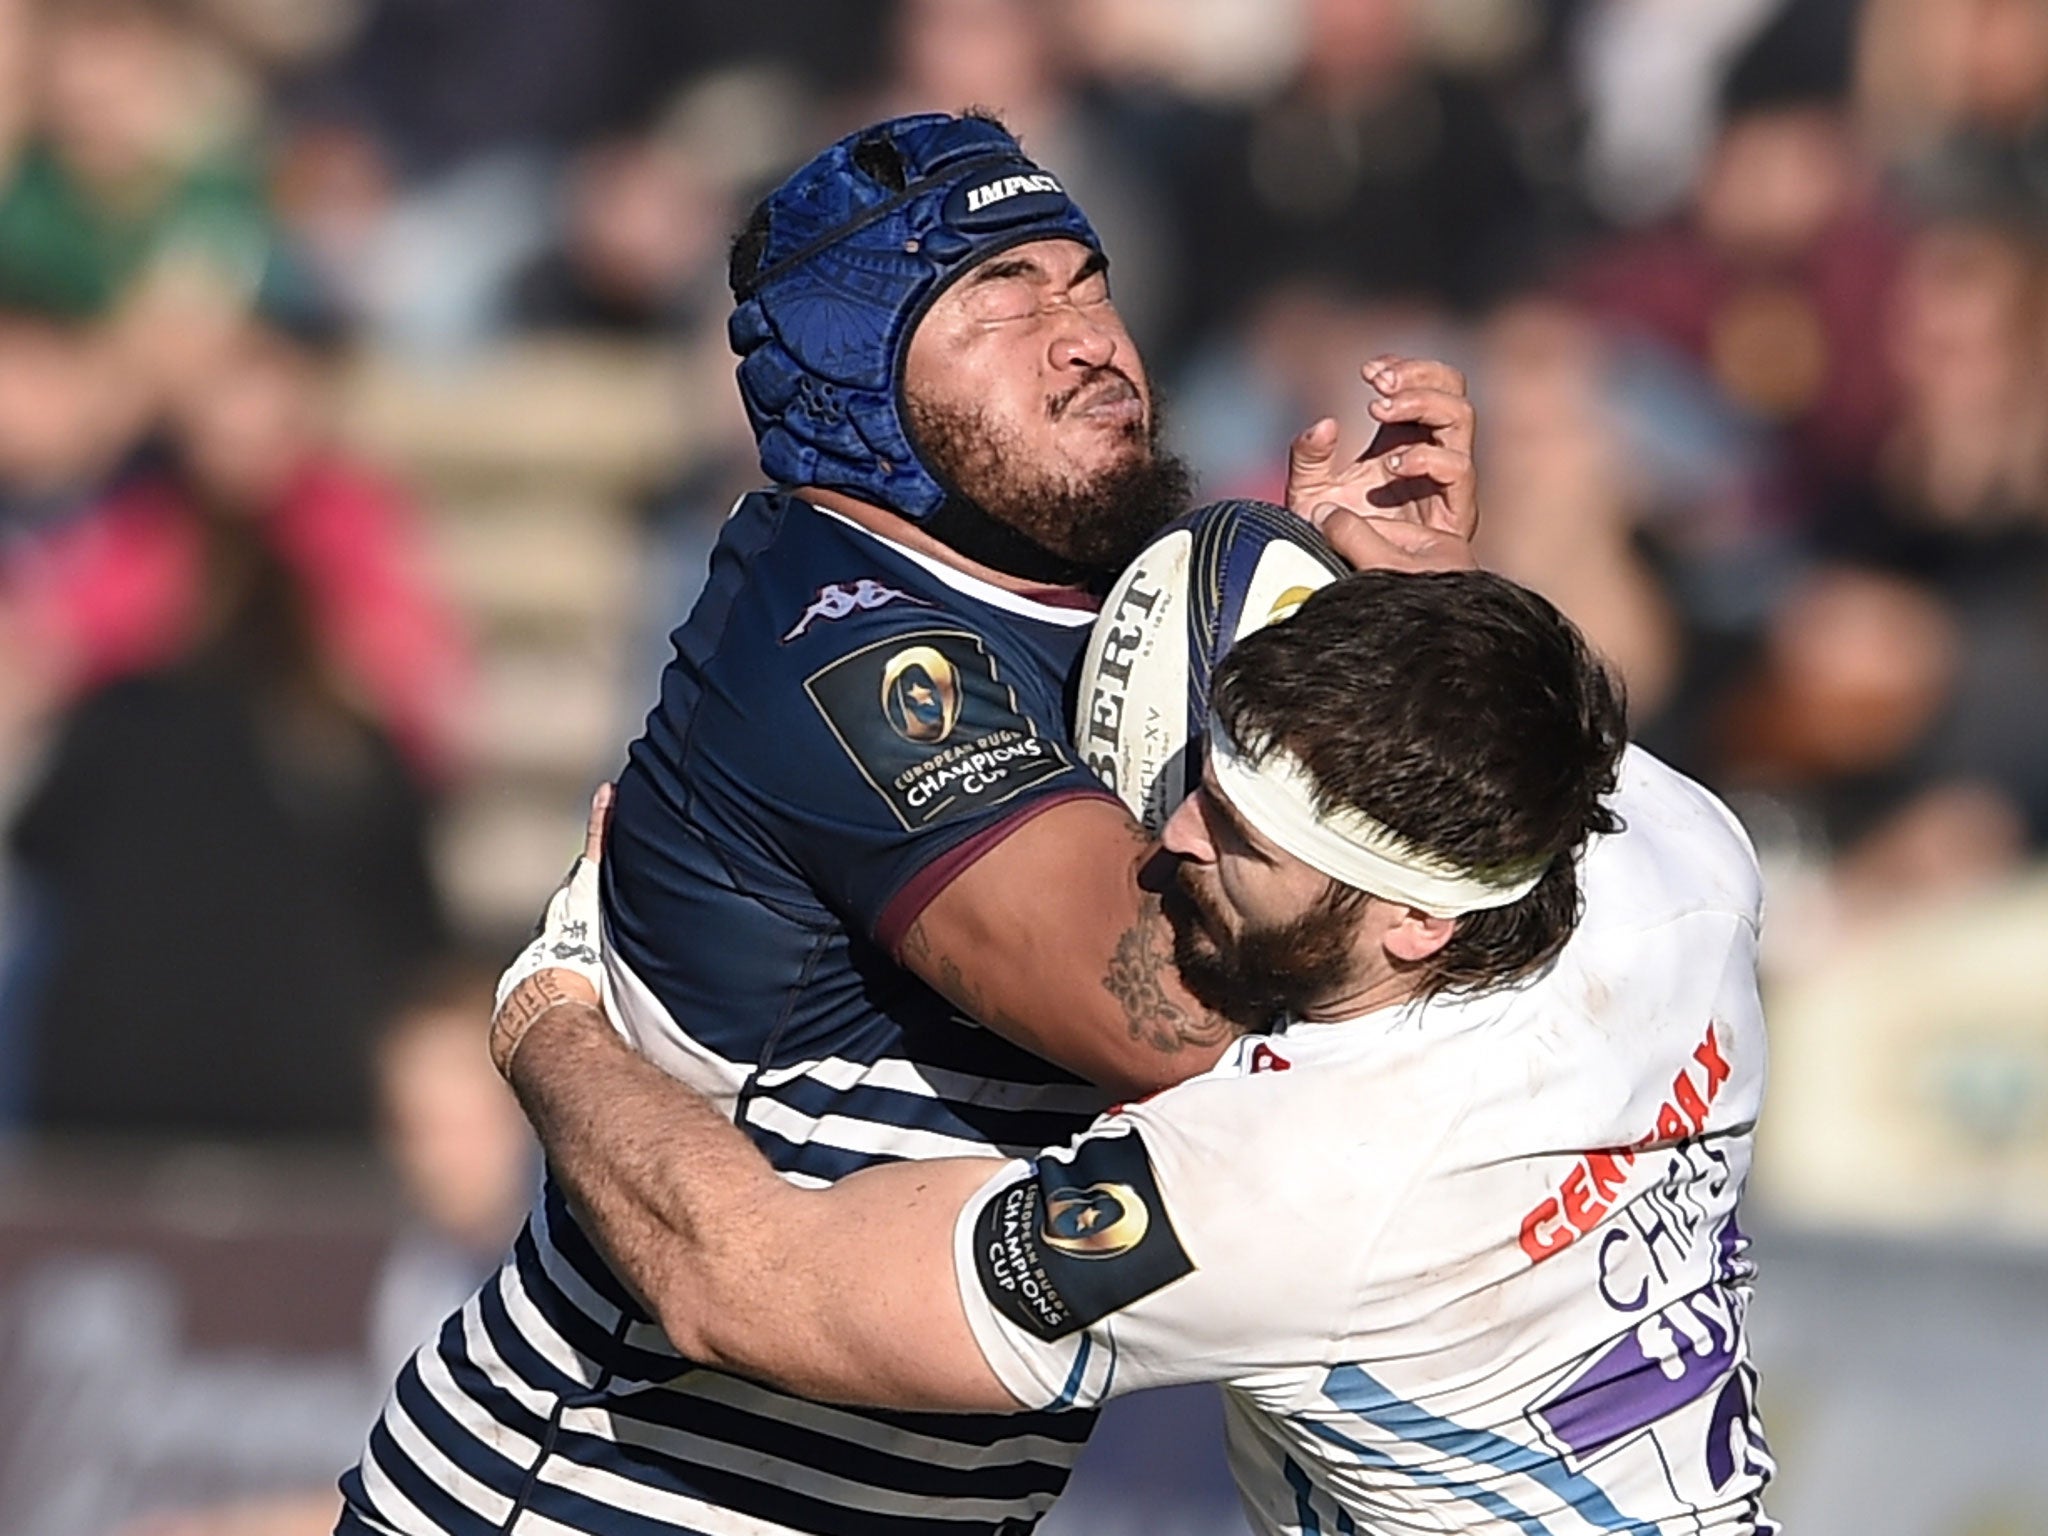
(861, 891)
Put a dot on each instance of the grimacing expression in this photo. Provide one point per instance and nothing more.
(1025, 395)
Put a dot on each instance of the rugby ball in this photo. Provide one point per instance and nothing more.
(1207, 581)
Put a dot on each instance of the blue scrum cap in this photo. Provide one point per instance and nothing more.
(857, 245)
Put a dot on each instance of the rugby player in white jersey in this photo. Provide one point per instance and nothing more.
(1458, 1235)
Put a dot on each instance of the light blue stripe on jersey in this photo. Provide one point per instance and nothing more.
(1493, 1503)
(1351, 1389)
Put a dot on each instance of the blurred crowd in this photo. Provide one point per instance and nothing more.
(1753, 297)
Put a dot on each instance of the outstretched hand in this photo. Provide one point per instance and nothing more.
(1410, 501)
(565, 961)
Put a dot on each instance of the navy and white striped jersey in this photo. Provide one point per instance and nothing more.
(846, 726)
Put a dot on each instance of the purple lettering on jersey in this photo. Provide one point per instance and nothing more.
(1666, 1361)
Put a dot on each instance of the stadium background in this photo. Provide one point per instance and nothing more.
(365, 419)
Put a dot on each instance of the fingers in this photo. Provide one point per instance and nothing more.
(600, 819)
(1317, 442)
(1311, 461)
(1430, 461)
(1384, 543)
(1447, 416)
(1391, 374)
(1311, 454)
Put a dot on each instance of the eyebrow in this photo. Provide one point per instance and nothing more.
(1002, 267)
(1012, 266)
(1238, 826)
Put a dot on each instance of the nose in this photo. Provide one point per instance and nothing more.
(1082, 341)
(1186, 832)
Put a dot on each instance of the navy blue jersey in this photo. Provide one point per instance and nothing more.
(847, 724)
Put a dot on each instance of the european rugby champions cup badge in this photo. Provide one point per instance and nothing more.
(1078, 1239)
(1099, 1222)
(921, 695)
(931, 723)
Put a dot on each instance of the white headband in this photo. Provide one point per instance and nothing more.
(1277, 797)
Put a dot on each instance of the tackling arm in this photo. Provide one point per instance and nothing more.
(844, 1294)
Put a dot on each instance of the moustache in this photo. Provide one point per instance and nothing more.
(1188, 900)
(1118, 386)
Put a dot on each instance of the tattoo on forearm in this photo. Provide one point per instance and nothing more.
(528, 1001)
(1137, 978)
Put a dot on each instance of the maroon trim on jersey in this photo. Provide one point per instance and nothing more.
(918, 891)
(1078, 598)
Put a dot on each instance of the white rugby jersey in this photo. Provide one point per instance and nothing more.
(1470, 1264)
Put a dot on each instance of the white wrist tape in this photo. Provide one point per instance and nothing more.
(1276, 796)
(571, 936)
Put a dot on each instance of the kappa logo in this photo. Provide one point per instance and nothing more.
(1006, 187)
(835, 600)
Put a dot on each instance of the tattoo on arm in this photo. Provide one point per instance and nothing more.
(944, 974)
(536, 995)
(1136, 978)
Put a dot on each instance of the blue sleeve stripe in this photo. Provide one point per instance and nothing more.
(1356, 1392)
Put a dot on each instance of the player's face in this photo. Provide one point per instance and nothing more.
(1027, 396)
(1257, 933)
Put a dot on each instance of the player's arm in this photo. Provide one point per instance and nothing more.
(1056, 939)
(844, 1294)
(848, 1294)
(964, 1284)
(952, 1285)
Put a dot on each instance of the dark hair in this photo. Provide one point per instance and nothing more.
(1460, 710)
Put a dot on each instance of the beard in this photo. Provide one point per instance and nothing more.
(1259, 974)
(1099, 524)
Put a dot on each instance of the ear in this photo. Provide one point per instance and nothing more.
(1416, 935)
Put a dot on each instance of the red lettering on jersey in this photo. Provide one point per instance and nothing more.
(1587, 1191)
(1606, 1172)
(1690, 1101)
(1709, 1056)
(1581, 1208)
(1535, 1243)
